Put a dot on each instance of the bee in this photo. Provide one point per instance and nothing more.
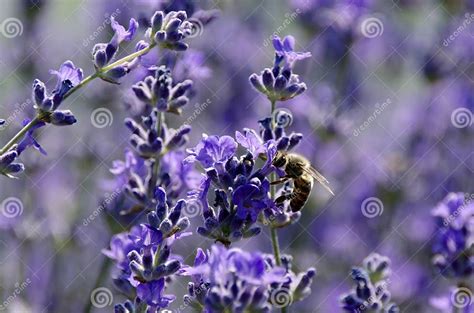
(298, 169)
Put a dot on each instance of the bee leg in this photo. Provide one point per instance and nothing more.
(280, 181)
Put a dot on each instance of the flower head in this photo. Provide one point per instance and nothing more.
(169, 30)
(371, 287)
(160, 92)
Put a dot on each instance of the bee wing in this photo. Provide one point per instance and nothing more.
(319, 177)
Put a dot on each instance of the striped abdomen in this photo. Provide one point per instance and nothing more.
(301, 190)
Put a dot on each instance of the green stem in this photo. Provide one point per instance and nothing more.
(275, 245)
(273, 230)
(81, 84)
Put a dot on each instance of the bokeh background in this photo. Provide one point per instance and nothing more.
(388, 119)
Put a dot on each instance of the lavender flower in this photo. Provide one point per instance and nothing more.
(169, 30)
(143, 256)
(454, 244)
(231, 280)
(160, 92)
(68, 77)
(371, 291)
(241, 193)
(279, 83)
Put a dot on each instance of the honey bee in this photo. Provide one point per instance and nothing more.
(299, 169)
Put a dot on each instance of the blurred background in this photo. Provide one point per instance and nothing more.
(387, 118)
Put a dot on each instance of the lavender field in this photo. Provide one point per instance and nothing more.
(247, 156)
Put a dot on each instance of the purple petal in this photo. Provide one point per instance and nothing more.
(289, 43)
(120, 33)
(67, 71)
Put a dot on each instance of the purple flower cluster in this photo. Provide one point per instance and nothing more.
(232, 280)
(370, 293)
(279, 83)
(143, 256)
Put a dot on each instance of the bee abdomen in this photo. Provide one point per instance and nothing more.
(301, 191)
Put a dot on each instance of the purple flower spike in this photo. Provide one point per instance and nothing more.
(120, 33)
